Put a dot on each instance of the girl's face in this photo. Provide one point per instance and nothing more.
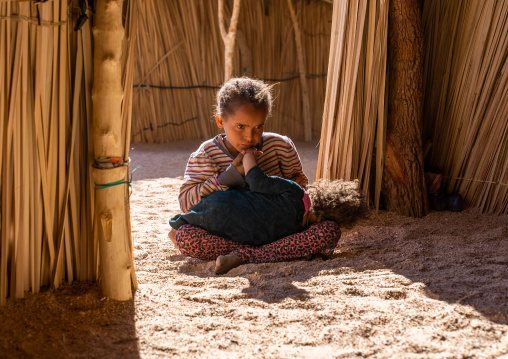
(243, 128)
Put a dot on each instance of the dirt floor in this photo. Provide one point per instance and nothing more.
(435, 287)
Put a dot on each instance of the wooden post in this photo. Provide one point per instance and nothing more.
(229, 37)
(403, 185)
(109, 168)
(307, 121)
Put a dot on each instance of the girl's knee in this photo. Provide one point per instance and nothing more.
(184, 238)
(187, 233)
(190, 247)
(195, 242)
(330, 231)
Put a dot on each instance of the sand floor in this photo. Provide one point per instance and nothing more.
(397, 287)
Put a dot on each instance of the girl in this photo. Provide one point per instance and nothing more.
(272, 208)
(243, 106)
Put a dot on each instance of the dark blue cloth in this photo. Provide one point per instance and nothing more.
(271, 209)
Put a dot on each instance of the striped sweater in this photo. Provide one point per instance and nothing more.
(209, 169)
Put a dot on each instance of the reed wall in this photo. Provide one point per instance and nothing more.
(46, 187)
(180, 64)
(465, 108)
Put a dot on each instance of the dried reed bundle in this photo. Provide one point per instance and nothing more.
(180, 64)
(46, 219)
(354, 114)
(466, 84)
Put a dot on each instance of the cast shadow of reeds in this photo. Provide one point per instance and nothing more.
(460, 258)
(268, 282)
(72, 321)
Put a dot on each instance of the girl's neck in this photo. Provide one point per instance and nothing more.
(230, 148)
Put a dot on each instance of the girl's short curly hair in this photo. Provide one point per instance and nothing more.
(241, 91)
(337, 200)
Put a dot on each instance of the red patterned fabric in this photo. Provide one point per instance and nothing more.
(198, 243)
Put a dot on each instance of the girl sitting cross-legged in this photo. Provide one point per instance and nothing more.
(243, 226)
(243, 106)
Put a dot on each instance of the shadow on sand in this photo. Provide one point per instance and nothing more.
(261, 278)
(455, 264)
(71, 321)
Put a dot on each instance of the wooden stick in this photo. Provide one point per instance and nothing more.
(382, 111)
(126, 116)
(307, 122)
(91, 232)
(5, 34)
(70, 157)
(229, 37)
(23, 251)
(40, 80)
(157, 64)
(10, 178)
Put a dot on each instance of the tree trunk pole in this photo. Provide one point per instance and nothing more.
(403, 184)
(229, 37)
(307, 122)
(109, 168)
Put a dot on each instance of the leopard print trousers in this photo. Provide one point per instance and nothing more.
(198, 243)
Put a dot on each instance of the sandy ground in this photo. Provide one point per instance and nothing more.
(435, 287)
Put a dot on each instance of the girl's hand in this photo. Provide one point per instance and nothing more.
(254, 152)
(250, 158)
(237, 162)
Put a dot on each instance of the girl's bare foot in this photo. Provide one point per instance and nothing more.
(224, 264)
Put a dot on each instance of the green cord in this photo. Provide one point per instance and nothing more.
(476, 180)
(112, 184)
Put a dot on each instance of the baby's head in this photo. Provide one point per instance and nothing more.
(337, 200)
(242, 91)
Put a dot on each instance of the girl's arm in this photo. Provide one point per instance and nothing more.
(200, 180)
(260, 182)
(291, 166)
(281, 159)
(274, 185)
(249, 159)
